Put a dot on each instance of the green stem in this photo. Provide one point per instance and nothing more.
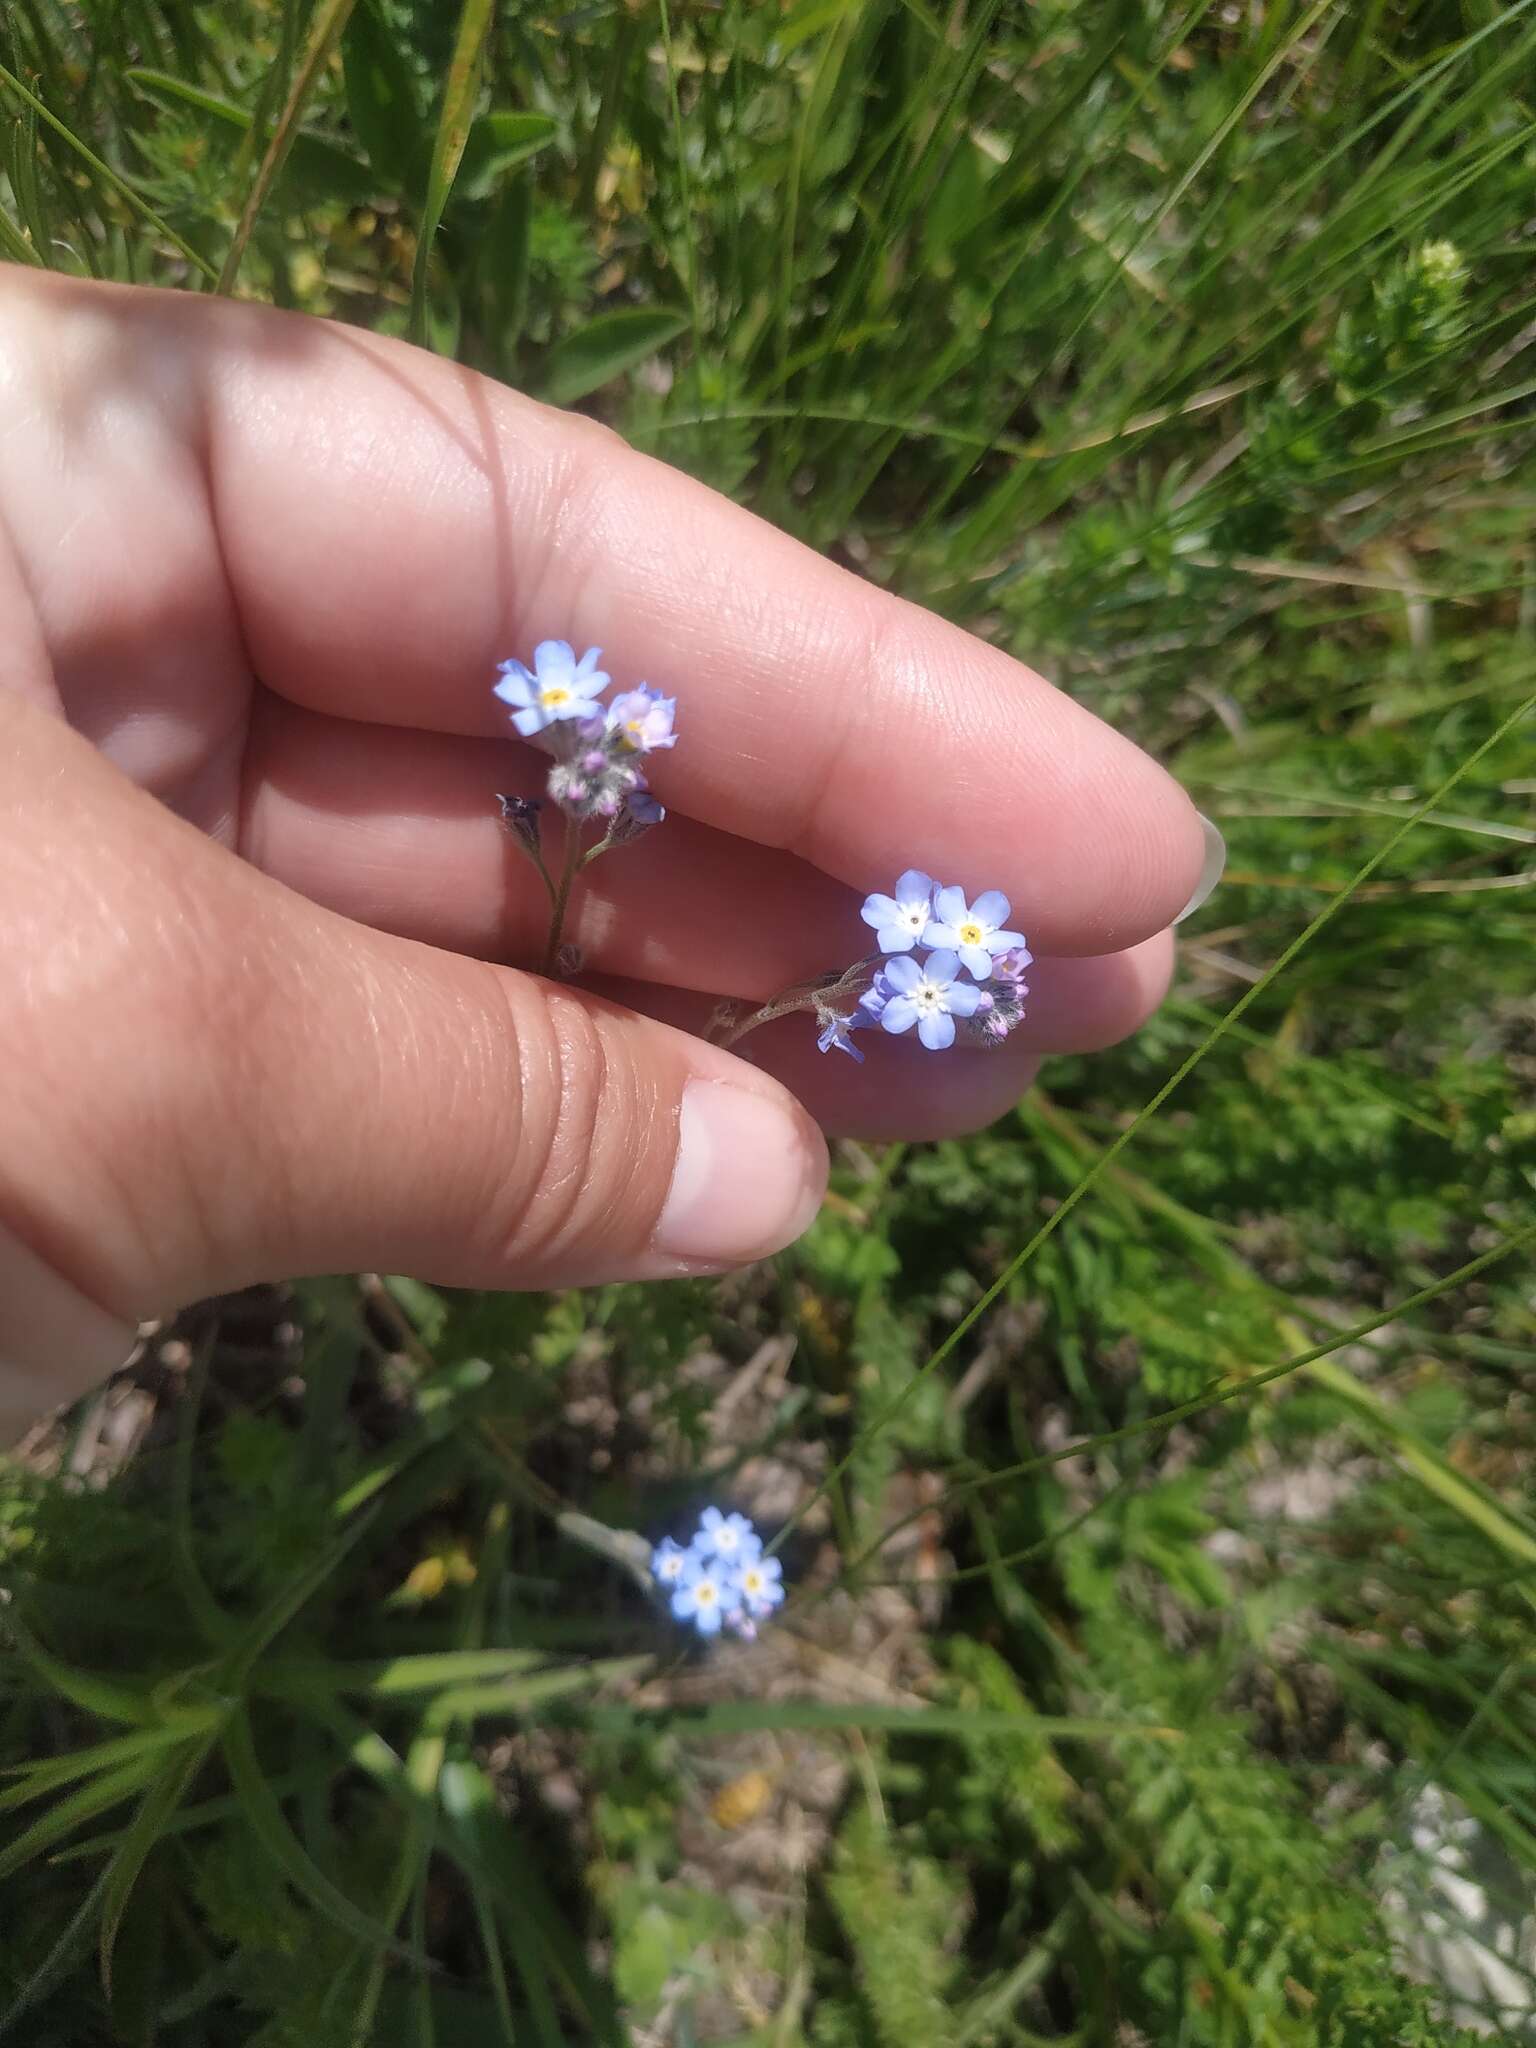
(561, 896)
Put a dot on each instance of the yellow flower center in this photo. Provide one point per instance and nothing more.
(704, 1592)
(553, 695)
(751, 1582)
(971, 933)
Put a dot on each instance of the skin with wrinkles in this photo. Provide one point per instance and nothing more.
(256, 573)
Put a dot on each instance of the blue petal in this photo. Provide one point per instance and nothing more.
(950, 905)
(979, 962)
(879, 910)
(914, 887)
(942, 937)
(588, 663)
(942, 966)
(707, 1620)
(899, 1014)
(529, 722)
(937, 1031)
(903, 975)
(895, 938)
(965, 1001)
(514, 688)
(554, 661)
(991, 907)
(1004, 942)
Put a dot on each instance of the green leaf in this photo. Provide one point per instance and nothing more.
(148, 1824)
(107, 1789)
(381, 99)
(396, 1677)
(49, 1774)
(497, 143)
(263, 1815)
(326, 169)
(138, 1964)
(605, 348)
(449, 144)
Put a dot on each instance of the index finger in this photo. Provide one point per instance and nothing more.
(392, 524)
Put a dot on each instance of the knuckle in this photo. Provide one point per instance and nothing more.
(585, 1172)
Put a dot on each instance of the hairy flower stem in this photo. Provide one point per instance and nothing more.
(725, 1029)
(781, 1006)
(561, 898)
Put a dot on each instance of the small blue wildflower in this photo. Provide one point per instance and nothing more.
(729, 1538)
(642, 719)
(930, 997)
(900, 921)
(557, 687)
(874, 999)
(835, 1029)
(760, 1587)
(974, 931)
(703, 1595)
(669, 1561)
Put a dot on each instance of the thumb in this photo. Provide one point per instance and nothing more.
(211, 1081)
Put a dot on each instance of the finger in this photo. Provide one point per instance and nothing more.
(389, 525)
(904, 1091)
(297, 1094)
(400, 830)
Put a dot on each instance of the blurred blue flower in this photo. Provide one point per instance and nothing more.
(930, 997)
(642, 719)
(760, 1587)
(900, 921)
(669, 1560)
(702, 1596)
(557, 687)
(730, 1538)
(974, 931)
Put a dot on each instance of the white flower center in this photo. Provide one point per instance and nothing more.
(916, 915)
(671, 1567)
(971, 933)
(927, 996)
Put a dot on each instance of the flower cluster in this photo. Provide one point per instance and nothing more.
(971, 982)
(721, 1579)
(597, 746)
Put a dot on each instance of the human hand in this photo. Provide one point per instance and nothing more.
(255, 572)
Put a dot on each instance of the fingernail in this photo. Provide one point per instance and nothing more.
(1210, 868)
(748, 1180)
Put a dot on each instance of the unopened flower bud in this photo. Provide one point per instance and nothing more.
(520, 815)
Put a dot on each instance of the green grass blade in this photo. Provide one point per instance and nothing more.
(449, 144)
(330, 19)
(107, 175)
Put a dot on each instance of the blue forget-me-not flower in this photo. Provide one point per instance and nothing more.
(973, 931)
(642, 718)
(557, 687)
(900, 920)
(721, 1579)
(929, 996)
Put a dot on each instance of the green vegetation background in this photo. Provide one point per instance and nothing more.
(1188, 352)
